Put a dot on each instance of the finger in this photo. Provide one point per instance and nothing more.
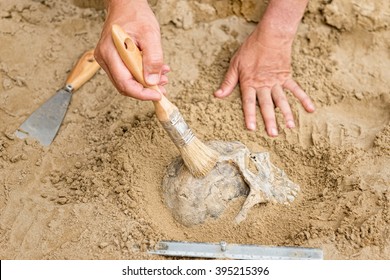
(124, 81)
(280, 100)
(134, 89)
(298, 92)
(165, 69)
(267, 111)
(229, 82)
(98, 57)
(152, 59)
(101, 60)
(162, 89)
(104, 67)
(248, 97)
(163, 80)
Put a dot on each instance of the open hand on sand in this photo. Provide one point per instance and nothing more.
(262, 66)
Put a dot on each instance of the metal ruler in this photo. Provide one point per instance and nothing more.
(223, 250)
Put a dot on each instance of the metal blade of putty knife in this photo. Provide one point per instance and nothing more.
(44, 123)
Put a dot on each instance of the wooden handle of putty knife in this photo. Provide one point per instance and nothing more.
(132, 58)
(84, 70)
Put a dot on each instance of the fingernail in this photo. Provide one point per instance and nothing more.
(153, 79)
(290, 124)
(251, 126)
(218, 92)
(274, 132)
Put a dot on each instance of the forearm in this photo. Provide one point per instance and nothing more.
(126, 11)
(112, 3)
(281, 20)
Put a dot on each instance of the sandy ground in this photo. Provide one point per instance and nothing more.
(95, 193)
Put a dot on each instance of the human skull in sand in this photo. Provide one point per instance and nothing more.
(238, 172)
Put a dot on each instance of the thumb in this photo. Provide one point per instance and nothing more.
(228, 84)
(152, 58)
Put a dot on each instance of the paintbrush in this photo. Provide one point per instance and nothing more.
(199, 158)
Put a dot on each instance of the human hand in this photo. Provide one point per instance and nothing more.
(262, 66)
(138, 20)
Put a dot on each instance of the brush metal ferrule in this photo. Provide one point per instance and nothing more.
(178, 129)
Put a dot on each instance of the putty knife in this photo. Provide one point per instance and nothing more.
(224, 250)
(44, 123)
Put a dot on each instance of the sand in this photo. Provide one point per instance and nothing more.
(95, 192)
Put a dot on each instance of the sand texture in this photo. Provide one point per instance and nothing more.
(95, 192)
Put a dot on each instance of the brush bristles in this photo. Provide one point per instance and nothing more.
(199, 158)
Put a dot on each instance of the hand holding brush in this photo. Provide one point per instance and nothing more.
(199, 158)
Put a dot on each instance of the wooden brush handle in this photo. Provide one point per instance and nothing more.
(132, 58)
(84, 70)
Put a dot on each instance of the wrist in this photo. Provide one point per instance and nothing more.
(280, 21)
(110, 3)
(274, 36)
(125, 10)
